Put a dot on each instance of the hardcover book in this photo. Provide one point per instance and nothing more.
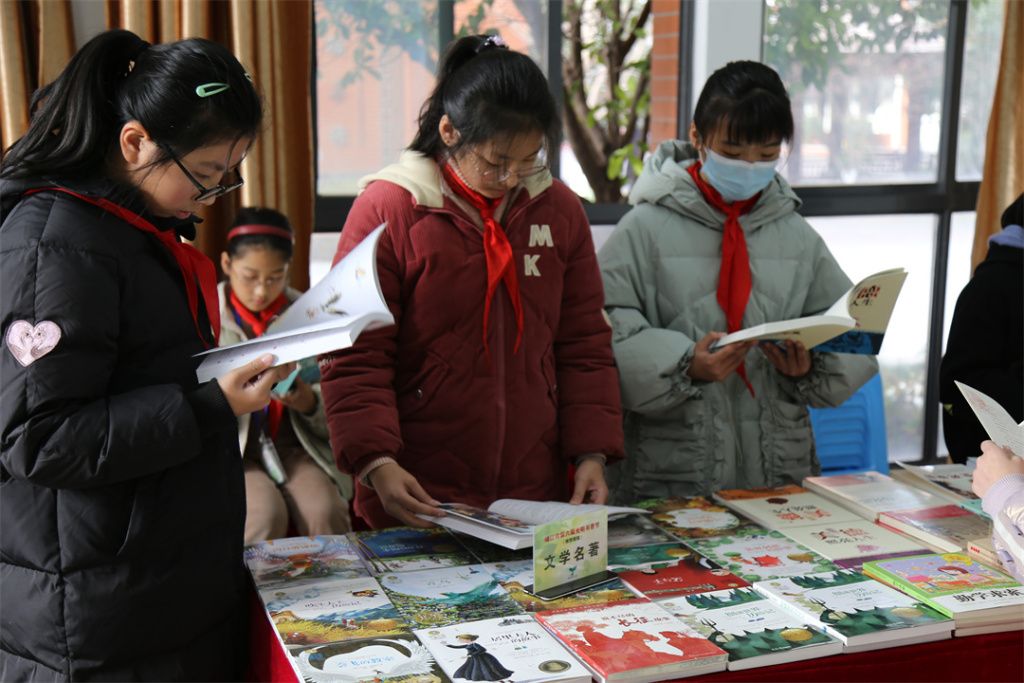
(690, 574)
(441, 597)
(784, 507)
(950, 528)
(399, 658)
(697, 517)
(754, 630)
(329, 611)
(291, 561)
(851, 544)
(863, 613)
(755, 558)
(514, 577)
(870, 493)
(401, 549)
(511, 649)
(634, 530)
(980, 598)
(633, 641)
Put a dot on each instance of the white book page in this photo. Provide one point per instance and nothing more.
(998, 424)
(534, 512)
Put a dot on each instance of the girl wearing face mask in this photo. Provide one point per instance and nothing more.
(714, 244)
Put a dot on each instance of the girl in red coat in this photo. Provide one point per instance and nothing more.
(498, 374)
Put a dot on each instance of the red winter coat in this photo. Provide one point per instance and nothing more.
(469, 427)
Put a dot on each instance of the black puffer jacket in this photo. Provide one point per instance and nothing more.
(122, 499)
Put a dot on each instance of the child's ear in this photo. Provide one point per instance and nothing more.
(693, 135)
(135, 144)
(225, 262)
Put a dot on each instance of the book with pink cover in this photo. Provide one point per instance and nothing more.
(947, 527)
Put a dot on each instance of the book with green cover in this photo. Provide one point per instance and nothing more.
(756, 558)
(697, 517)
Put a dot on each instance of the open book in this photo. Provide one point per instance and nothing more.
(330, 316)
(854, 324)
(998, 423)
(509, 522)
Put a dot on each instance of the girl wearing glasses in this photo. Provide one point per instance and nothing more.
(498, 375)
(714, 244)
(123, 500)
(289, 470)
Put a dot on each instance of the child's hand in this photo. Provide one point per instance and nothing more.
(402, 496)
(300, 397)
(590, 486)
(247, 388)
(794, 361)
(994, 464)
(714, 367)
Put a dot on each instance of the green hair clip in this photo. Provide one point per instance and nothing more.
(207, 89)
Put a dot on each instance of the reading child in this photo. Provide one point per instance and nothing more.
(712, 245)
(289, 469)
(498, 373)
(123, 502)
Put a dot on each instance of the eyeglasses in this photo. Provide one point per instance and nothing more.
(206, 192)
(501, 172)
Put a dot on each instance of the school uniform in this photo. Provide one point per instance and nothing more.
(473, 417)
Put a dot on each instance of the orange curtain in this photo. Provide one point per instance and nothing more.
(38, 40)
(1003, 175)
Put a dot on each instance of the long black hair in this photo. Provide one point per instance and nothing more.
(749, 100)
(260, 216)
(487, 91)
(174, 90)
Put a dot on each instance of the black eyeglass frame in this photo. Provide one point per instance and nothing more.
(205, 192)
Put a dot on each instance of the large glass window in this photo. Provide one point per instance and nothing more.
(522, 25)
(981, 66)
(866, 83)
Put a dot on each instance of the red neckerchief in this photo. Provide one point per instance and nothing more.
(194, 265)
(497, 251)
(734, 281)
(258, 323)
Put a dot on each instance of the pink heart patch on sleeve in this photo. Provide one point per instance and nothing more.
(28, 343)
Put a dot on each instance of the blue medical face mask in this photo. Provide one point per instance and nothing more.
(736, 179)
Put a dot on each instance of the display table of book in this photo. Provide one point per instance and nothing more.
(784, 581)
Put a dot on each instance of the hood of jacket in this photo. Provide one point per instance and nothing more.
(666, 182)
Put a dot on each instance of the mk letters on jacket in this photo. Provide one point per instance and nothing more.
(660, 270)
(466, 422)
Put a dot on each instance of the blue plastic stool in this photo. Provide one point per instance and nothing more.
(851, 437)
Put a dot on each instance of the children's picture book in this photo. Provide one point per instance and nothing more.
(634, 530)
(328, 317)
(690, 574)
(784, 507)
(697, 517)
(399, 658)
(851, 544)
(511, 649)
(869, 493)
(633, 641)
(647, 556)
(484, 551)
(328, 611)
(754, 630)
(755, 558)
(516, 576)
(401, 549)
(856, 323)
(998, 424)
(980, 598)
(949, 528)
(952, 482)
(863, 613)
(291, 561)
(441, 597)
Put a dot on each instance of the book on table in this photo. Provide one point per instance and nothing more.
(863, 613)
(510, 522)
(691, 573)
(633, 642)
(512, 649)
(783, 507)
(766, 556)
(978, 597)
(328, 317)
(949, 528)
(851, 544)
(869, 493)
(697, 517)
(634, 530)
(754, 630)
(952, 482)
(516, 576)
(303, 559)
(450, 595)
(398, 658)
(856, 323)
(400, 549)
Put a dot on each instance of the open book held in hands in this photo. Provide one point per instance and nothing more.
(999, 424)
(509, 523)
(330, 316)
(854, 324)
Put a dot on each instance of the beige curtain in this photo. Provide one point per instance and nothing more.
(37, 41)
(1003, 175)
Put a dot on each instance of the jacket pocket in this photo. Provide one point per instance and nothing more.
(787, 443)
(421, 389)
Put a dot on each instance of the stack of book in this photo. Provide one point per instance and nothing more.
(949, 528)
(871, 493)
